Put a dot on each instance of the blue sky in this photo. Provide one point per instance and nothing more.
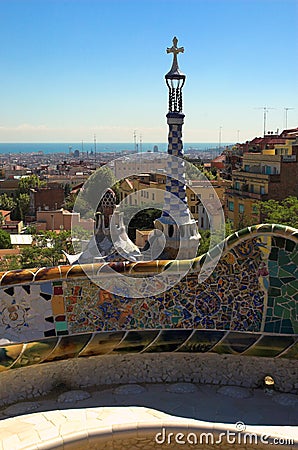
(72, 68)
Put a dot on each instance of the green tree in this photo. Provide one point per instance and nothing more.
(11, 262)
(284, 212)
(67, 190)
(5, 239)
(7, 203)
(70, 201)
(47, 249)
(23, 203)
(30, 182)
(141, 220)
(87, 200)
(206, 236)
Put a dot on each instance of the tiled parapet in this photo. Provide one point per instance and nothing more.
(247, 305)
(134, 428)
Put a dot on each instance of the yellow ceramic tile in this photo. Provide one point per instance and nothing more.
(58, 305)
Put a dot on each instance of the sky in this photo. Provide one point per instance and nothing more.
(74, 68)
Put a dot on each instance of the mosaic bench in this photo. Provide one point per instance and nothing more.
(248, 306)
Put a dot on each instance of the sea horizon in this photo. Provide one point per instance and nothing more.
(101, 147)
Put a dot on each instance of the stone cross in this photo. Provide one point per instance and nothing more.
(175, 50)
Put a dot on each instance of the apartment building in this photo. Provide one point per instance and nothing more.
(270, 174)
(148, 189)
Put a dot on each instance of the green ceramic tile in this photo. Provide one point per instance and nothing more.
(202, 341)
(291, 352)
(235, 342)
(69, 346)
(282, 273)
(243, 232)
(136, 341)
(169, 341)
(279, 242)
(276, 282)
(290, 245)
(36, 352)
(273, 256)
(290, 268)
(61, 326)
(9, 354)
(102, 342)
(270, 346)
(233, 238)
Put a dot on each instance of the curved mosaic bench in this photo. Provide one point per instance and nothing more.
(247, 306)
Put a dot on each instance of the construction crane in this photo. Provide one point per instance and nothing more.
(286, 116)
(265, 109)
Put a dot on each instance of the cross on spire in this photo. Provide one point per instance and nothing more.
(175, 50)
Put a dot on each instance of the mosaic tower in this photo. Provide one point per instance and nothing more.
(179, 229)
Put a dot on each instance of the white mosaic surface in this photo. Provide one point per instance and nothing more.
(115, 428)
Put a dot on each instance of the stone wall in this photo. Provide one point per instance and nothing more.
(80, 373)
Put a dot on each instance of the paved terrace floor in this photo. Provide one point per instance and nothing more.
(98, 410)
(228, 404)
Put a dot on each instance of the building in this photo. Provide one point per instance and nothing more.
(61, 219)
(13, 226)
(46, 198)
(21, 240)
(143, 163)
(270, 174)
(148, 189)
(9, 187)
(218, 163)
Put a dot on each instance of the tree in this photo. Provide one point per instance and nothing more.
(206, 236)
(5, 239)
(30, 182)
(141, 220)
(46, 249)
(23, 203)
(88, 198)
(7, 203)
(10, 262)
(283, 213)
(67, 190)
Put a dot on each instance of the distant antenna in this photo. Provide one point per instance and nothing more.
(265, 109)
(219, 138)
(95, 148)
(135, 141)
(82, 146)
(286, 116)
(141, 143)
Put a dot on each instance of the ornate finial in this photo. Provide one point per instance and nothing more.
(175, 50)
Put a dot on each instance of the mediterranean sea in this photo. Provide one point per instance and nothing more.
(109, 147)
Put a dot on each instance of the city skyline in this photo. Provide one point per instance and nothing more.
(75, 68)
